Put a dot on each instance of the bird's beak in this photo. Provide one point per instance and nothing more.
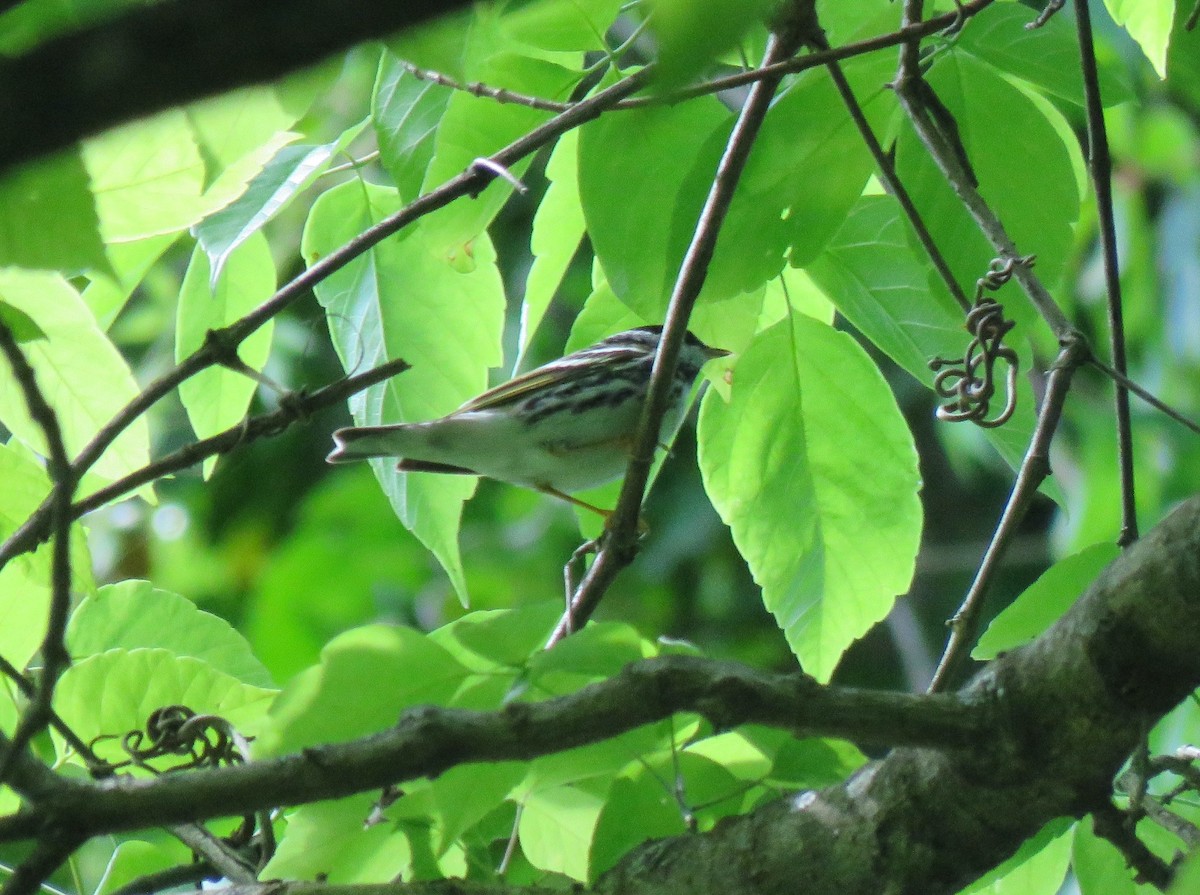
(713, 353)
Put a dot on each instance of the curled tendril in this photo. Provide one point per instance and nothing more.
(206, 741)
(969, 382)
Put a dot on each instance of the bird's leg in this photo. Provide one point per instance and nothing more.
(643, 528)
(570, 570)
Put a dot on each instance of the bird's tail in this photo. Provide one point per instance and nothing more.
(364, 442)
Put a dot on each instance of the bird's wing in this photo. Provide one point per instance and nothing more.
(515, 389)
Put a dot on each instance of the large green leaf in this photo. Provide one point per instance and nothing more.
(147, 177)
(1044, 601)
(406, 112)
(1149, 23)
(557, 230)
(48, 217)
(329, 702)
(474, 127)
(82, 375)
(811, 465)
(551, 25)
(404, 299)
(116, 691)
(135, 614)
(332, 841)
(687, 37)
(662, 157)
(1047, 56)
(556, 829)
(293, 169)
(218, 397)
(1037, 203)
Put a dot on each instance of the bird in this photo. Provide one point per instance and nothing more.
(566, 426)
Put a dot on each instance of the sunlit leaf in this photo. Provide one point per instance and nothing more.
(135, 614)
(83, 376)
(218, 397)
(404, 299)
(1149, 23)
(812, 435)
(48, 216)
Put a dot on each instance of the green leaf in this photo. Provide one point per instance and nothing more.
(328, 703)
(406, 112)
(116, 691)
(499, 638)
(550, 25)
(218, 397)
(48, 217)
(557, 231)
(83, 377)
(870, 272)
(1149, 24)
(813, 763)
(330, 840)
(638, 808)
(465, 795)
(665, 156)
(1047, 56)
(1183, 59)
(147, 177)
(689, 41)
(292, 170)
(556, 829)
(133, 859)
(134, 614)
(403, 299)
(1100, 868)
(23, 327)
(1044, 601)
(1038, 867)
(474, 127)
(812, 435)
(128, 263)
(1038, 203)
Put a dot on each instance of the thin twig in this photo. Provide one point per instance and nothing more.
(499, 94)
(887, 173)
(910, 91)
(47, 856)
(619, 545)
(1100, 165)
(293, 407)
(1145, 394)
(224, 341)
(28, 690)
(964, 626)
(214, 852)
(53, 649)
(170, 878)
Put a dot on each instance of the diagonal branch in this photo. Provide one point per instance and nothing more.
(1100, 165)
(619, 545)
(429, 740)
(221, 343)
(62, 478)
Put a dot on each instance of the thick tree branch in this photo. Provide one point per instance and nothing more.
(430, 740)
(168, 53)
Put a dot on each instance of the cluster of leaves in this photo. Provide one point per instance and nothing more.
(802, 446)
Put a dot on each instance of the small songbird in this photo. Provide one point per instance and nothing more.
(566, 426)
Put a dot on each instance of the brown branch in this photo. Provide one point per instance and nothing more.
(62, 478)
(964, 626)
(1100, 166)
(222, 343)
(1112, 824)
(429, 740)
(619, 544)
